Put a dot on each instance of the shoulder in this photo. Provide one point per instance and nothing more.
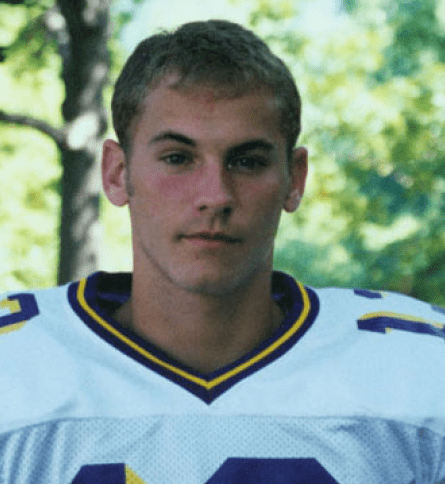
(48, 353)
(30, 323)
(36, 362)
(382, 312)
(20, 307)
(386, 349)
(383, 321)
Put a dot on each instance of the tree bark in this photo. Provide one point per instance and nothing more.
(85, 69)
(80, 29)
(56, 134)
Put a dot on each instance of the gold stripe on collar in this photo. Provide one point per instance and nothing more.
(207, 384)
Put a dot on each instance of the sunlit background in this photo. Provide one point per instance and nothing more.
(371, 74)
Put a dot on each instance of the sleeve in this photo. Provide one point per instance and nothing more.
(15, 310)
(393, 311)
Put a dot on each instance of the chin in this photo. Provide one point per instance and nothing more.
(209, 286)
(213, 284)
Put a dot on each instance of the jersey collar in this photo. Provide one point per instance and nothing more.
(95, 298)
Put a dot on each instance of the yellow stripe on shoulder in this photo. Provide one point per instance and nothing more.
(401, 316)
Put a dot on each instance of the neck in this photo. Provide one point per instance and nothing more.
(203, 331)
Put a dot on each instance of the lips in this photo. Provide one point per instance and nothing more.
(212, 237)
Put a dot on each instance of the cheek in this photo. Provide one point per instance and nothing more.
(176, 188)
(264, 207)
(158, 199)
(266, 199)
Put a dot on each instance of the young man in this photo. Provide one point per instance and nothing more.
(204, 366)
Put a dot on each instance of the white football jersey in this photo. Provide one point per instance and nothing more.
(350, 390)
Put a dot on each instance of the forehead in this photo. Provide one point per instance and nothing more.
(209, 112)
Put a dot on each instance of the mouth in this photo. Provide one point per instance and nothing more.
(215, 238)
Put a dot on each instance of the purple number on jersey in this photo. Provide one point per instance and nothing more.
(271, 471)
(101, 474)
(22, 307)
(233, 471)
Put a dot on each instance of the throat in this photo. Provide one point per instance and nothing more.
(203, 344)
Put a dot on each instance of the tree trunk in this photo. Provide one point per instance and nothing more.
(85, 69)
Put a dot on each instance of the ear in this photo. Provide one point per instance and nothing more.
(298, 174)
(114, 173)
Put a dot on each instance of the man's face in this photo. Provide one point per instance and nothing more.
(206, 183)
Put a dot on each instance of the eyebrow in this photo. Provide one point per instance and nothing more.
(250, 145)
(173, 136)
(256, 144)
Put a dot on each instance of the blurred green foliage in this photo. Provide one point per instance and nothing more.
(29, 188)
(373, 121)
(30, 168)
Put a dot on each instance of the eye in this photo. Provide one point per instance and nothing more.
(247, 163)
(176, 159)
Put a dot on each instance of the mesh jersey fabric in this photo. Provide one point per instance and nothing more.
(348, 390)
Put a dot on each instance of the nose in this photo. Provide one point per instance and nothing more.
(215, 190)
